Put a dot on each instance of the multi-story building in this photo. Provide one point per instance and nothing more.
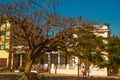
(69, 65)
(6, 59)
(66, 65)
(4, 43)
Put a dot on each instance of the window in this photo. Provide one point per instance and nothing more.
(2, 33)
(1, 47)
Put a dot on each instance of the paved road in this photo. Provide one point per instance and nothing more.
(51, 77)
(74, 78)
(8, 77)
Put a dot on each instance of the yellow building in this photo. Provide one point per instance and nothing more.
(7, 59)
(4, 43)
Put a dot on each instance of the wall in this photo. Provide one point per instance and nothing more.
(5, 40)
(4, 54)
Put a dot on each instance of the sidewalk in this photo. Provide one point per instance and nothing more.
(47, 74)
(6, 73)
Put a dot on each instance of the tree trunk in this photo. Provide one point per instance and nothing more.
(28, 66)
(29, 62)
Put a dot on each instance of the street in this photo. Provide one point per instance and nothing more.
(53, 77)
(8, 77)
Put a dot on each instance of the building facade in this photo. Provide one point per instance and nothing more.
(53, 61)
(69, 65)
(4, 43)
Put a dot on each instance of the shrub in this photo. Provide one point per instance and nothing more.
(32, 76)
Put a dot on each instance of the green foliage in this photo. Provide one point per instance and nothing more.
(32, 76)
(86, 45)
(20, 74)
(98, 59)
(113, 48)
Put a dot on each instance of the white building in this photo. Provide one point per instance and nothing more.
(69, 65)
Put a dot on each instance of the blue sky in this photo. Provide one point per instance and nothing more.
(107, 10)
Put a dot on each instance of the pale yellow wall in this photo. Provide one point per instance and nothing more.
(4, 54)
(7, 34)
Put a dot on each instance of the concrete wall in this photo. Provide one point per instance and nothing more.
(99, 72)
(94, 71)
(67, 70)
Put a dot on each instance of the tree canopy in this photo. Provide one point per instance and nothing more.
(82, 42)
(43, 30)
(113, 47)
(34, 27)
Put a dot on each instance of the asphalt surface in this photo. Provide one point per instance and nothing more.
(9, 77)
(16, 76)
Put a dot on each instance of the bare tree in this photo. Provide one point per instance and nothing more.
(43, 30)
(33, 25)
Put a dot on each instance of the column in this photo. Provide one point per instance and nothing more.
(49, 62)
(76, 62)
(21, 60)
(58, 59)
(12, 57)
(78, 66)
